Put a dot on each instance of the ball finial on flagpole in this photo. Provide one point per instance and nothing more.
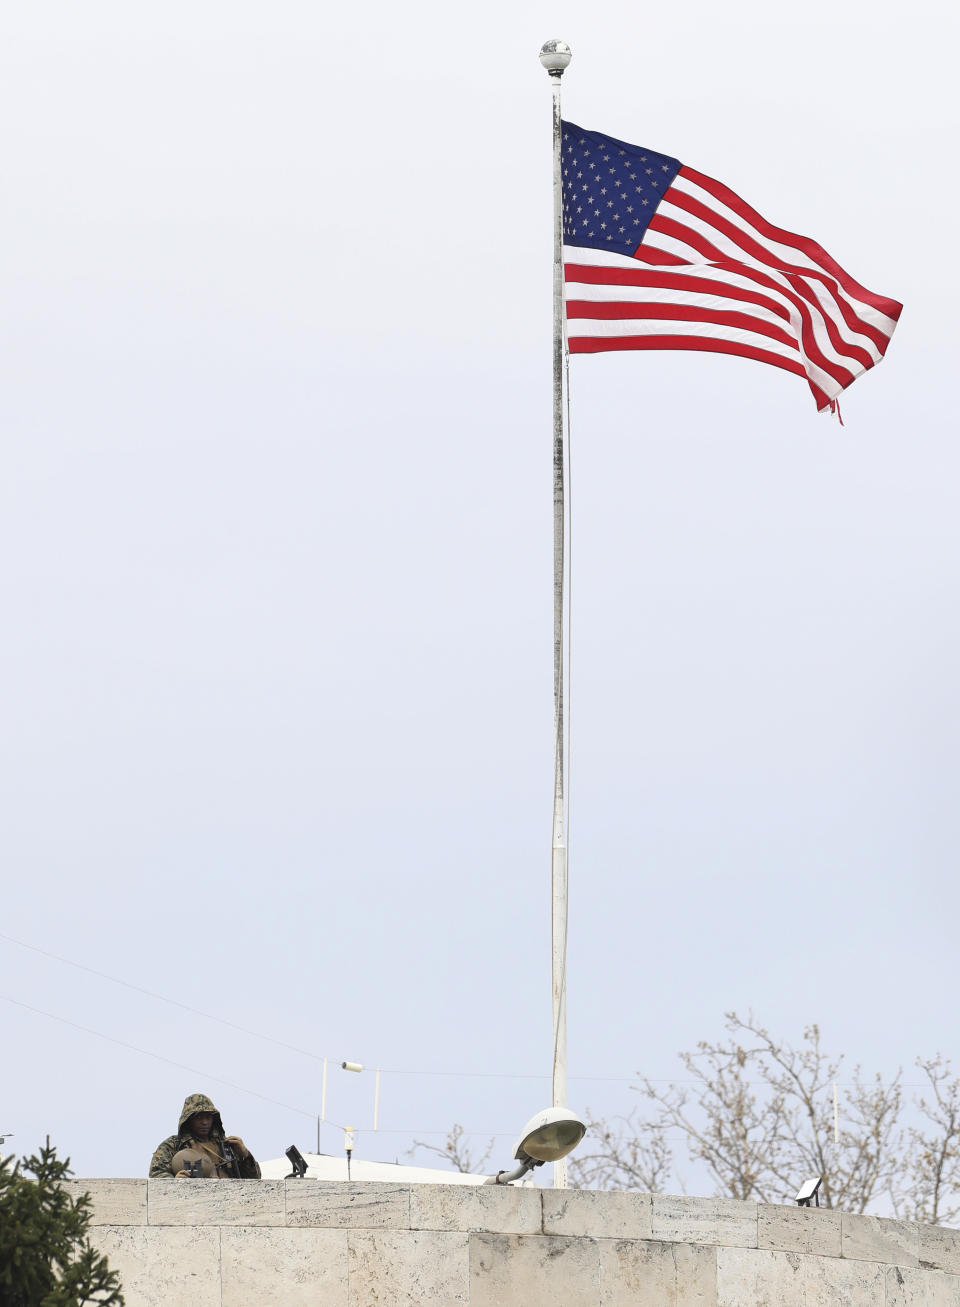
(555, 55)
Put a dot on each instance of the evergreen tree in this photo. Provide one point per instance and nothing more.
(46, 1259)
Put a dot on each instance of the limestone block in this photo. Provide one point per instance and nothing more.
(163, 1266)
(600, 1215)
(751, 1277)
(830, 1282)
(215, 1202)
(799, 1230)
(533, 1270)
(283, 1268)
(362, 1205)
(634, 1271)
(908, 1287)
(939, 1248)
(876, 1239)
(696, 1275)
(115, 1202)
(397, 1268)
(760, 1277)
(704, 1220)
(493, 1209)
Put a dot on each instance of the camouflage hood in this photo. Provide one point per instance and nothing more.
(194, 1103)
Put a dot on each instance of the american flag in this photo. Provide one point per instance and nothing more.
(658, 256)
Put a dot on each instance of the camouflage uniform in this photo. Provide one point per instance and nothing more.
(184, 1138)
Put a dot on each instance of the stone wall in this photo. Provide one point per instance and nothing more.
(287, 1243)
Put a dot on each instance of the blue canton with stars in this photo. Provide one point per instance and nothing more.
(610, 189)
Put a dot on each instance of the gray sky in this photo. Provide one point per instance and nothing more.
(275, 569)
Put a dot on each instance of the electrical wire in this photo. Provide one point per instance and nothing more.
(230, 1084)
(146, 1052)
(162, 998)
(630, 1079)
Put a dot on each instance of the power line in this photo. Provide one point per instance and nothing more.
(145, 1052)
(270, 1039)
(241, 1089)
(319, 1057)
(161, 998)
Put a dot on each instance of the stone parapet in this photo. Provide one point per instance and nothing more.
(292, 1242)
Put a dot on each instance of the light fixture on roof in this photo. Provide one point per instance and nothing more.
(546, 1137)
(809, 1192)
(297, 1161)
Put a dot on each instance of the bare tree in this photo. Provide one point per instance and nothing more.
(626, 1154)
(929, 1188)
(457, 1152)
(757, 1114)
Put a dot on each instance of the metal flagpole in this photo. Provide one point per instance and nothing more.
(555, 56)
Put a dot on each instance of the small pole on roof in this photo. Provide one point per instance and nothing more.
(348, 1146)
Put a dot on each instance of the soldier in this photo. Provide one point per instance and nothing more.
(200, 1138)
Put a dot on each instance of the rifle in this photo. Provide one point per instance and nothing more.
(230, 1163)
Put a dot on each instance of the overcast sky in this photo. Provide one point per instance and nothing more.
(275, 570)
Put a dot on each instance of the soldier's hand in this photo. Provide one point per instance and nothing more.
(183, 1175)
(237, 1143)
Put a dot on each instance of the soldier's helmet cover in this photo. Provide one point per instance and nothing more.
(194, 1103)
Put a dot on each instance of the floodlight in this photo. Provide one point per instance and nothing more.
(809, 1192)
(550, 1135)
(546, 1137)
(297, 1161)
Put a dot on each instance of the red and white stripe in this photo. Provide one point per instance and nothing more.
(711, 274)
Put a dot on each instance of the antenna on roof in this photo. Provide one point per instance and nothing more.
(348, 1146)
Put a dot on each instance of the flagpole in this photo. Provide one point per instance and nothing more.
(555, 56)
